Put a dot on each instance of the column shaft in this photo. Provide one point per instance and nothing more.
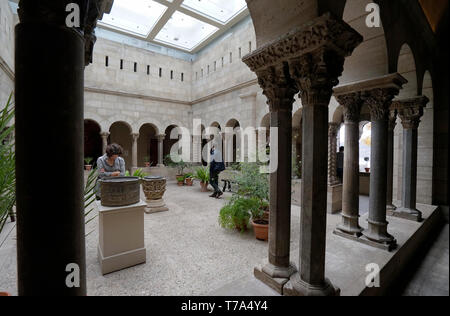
(49, 96)
(161, 150)
(104, 141)
(134, 153)
(390, 166)
(409, 169)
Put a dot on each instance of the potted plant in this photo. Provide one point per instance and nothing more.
(174, 161)
(180, 180)
(367, 168)
(189, 179)
(260, 222)
(237, 213)
(87, 162)
(202, 174)
(147, 161)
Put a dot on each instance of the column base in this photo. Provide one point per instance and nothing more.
(155, 206)
(391, 207)
(377, 236)
(273, 276)
(350, 226)
(334, 200)
(297, 287)
(405, 213)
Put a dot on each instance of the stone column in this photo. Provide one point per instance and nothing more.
(390, 169)
(280, 92)
(349, 227)
(410, 111)
(104, 136)
(134, 149)
(379, 101)
(161, 150)
(50, 58)
(332, 154)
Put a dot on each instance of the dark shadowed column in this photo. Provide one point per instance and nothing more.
(379, 101)
(351, 103)
(49, 92)
(410, 111)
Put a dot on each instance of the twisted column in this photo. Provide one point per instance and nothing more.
(332, 154)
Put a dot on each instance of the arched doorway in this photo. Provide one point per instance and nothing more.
(120, 133)
(148, 145)
(173, 137)
(92, 141)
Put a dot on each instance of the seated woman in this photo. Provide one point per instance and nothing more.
(110, 165)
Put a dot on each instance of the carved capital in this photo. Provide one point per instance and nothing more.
(277, 87)
(104, 134)
(54, 13)
(162, 137)
(316, 74)
(379, 101)
(352, 104)
(135, 136)
(410, 111)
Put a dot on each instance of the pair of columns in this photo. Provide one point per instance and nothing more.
(310, 61)
(377, 94)
(135, 137)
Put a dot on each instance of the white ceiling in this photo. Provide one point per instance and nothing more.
(187, 25)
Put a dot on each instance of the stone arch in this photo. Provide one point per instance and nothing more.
(147, 145)
(156, 125)
(92, 140)
(121, 133)
(406, 66)
(96, 118)
(372, 54)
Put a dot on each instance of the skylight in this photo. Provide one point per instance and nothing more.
(190, 25)
(221, 10)
(185, 31)
(134, 16)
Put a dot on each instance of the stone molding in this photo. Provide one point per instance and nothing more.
(410, 111)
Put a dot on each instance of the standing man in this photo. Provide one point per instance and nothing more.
(216, 167)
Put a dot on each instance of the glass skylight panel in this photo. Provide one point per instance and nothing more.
(134, 16)
(220, 10)
(185, 32)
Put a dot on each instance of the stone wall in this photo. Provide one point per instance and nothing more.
(7, 22)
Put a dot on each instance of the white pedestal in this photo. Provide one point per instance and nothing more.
(121, 237)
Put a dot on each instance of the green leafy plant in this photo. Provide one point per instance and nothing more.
(180, 165)
(89, 197)
(88, 160)
(202, 174)
(147, 159)
(188, 176)
(139, 173)
(237, 213)
(252, 183)
(7, 164)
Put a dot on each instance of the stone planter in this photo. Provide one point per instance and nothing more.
(154, 189)
(120, 191)
(261, 230)
(204, 186)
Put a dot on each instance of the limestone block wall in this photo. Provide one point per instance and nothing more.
(167, 77)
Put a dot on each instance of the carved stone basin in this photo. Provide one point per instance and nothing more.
(120, 191)
(154, 187)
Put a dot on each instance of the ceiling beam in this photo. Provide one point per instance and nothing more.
(172, 7)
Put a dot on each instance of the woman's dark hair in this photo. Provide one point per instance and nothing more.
(114, 149)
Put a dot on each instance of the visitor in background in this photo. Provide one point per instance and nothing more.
(216, 167)
(110, 165)
(340, 163)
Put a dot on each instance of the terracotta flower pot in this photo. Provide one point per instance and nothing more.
(147, 165)
(367, 170)
(180, 180)
(261, 229)
(189, 182)
(204, 186)
(4, 294)
(88, 167)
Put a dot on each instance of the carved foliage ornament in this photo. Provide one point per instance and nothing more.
(352, 104)
(325, 31)
(379, 102)
(410, 111)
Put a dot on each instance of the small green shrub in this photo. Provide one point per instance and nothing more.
(88, 160)
(202, 174)
(237, 213)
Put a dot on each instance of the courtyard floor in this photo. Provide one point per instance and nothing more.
(188, 253)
